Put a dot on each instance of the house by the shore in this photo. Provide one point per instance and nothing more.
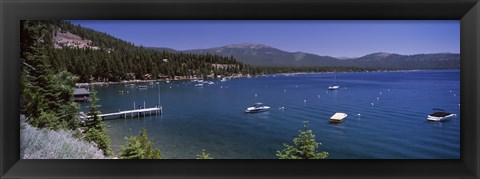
(81, 94)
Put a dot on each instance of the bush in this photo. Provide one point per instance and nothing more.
(48, 144)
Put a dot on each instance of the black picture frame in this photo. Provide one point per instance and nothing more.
(12, 11)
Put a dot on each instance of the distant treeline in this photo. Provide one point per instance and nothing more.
(118, 60)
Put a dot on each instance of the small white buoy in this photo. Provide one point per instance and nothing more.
(380, 93)
(454, 95)
(255, 94)
(388, 90)
(378, 99)
(372, 104)
(319, 96)
(305, 101)
(281, 108)
(285, 90)
(450, 91)
(296, 86)
(358, 114)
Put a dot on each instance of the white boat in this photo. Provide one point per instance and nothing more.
(257, 107)
(440, 115)
(199, 85)
(335, 86)
(223, 79)
(338, 117)
(211, 83)
(142, 86)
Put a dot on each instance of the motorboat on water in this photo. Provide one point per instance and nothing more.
(333, 87)
(439, 115)
(199, 85)
(257, 107)
(142, 86)
(338, 117)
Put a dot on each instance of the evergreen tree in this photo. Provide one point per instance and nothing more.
(95, 130)
(46, 96)
(305, 147)
(95, 121)
(139, 148)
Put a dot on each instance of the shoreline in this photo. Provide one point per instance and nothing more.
(246, 76)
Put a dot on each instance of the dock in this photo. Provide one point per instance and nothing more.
(338, 117)
(132, 113)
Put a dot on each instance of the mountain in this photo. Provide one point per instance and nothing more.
(263, 55)
(418, 61)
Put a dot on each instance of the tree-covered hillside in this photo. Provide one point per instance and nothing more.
(117, 60)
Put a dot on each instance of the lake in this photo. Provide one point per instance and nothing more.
(392, 124)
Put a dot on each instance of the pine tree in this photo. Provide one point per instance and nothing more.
(305, 147)
(46, 97)
(95, 121)
(95, 130)
(139, 148)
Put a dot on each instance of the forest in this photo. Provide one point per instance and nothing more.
(118, 60)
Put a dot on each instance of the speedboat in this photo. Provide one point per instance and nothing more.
(199, 85)
(333, 87)
(142, 86)
(439, 115)
(257, 107)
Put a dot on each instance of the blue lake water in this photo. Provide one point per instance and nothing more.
(393, 108)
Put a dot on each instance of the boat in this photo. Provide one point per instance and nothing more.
(440, 115)
(257, 107)
(338, 117)
(199, 85)
(211, 83)
(223, 79)
(142, 86)
(334, 86)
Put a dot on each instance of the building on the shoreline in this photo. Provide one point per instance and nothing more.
(81, 94)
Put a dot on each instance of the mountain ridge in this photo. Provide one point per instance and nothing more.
(265, 55)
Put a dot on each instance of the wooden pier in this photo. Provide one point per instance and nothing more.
(132, 113)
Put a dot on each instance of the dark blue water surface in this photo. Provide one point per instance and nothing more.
(393, 108)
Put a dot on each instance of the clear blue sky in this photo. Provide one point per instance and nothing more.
(332, 38)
